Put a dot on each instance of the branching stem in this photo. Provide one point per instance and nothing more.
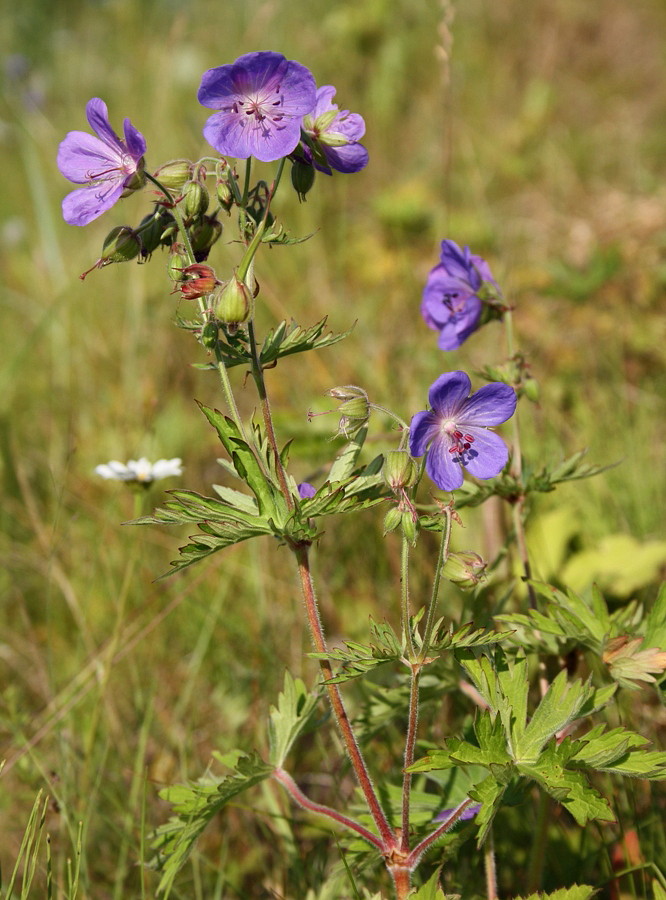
(301, 552)
(285, 779)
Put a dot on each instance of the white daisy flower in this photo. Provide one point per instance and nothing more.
(140, 470)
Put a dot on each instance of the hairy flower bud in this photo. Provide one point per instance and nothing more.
(225, 196)
(399, 470)
(175, 173)
(120, 245)
(302, 178)
(151, 230)
(464, 568)
(392, 519)
(234, 304)
(354, 409)
(177, 263)
(203, 235)
(196, 199)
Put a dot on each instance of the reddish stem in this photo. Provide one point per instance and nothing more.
(335, 698)
(297, 794)
(418, 851)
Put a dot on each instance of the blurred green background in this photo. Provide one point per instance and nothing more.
(532, 130)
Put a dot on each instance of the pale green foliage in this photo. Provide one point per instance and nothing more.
(195, 805)
(509, 745)
(292, 716)
(577, 892)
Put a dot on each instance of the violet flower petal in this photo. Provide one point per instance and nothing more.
(422, 429)
(87, 204)
(490, 405)
(442, 467)
(488, 454)
(448, 392)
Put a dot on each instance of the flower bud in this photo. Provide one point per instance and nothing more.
(531, 389)
(177, 263)
(392, 519)
(464, 568)
(151, 229)
(120, 245)
(399, 470)
(203, 235)
(225, 196)
(302, 178)
(410, 525)
(174, 174)
(355, 408)
(196, 199)
(234, 304)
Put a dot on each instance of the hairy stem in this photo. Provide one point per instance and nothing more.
(404, 587)
(410, 743)
(258, 375)
(285, 779)
(418, 851)
(489, 865)
(517, 471)
(301, 551)
(441, 559)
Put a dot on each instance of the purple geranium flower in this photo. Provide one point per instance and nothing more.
(451, 302)
(262, 98)
(454, 431)
(335, 134)
(464, 816)
(306, 490)
(105, 164)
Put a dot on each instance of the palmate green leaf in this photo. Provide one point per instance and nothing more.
(214, 538)
(568, 787)
(575, 892)
(467, 635)
(195, 805)
(559, 707)
(599, 748)
(489, 794)
(357, 658)
(270, 502)
(285, 340)
(491, 751)
(290, 718)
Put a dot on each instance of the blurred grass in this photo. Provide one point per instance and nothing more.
(531, 130)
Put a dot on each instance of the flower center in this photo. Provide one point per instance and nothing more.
(259, 108)
(460, 443)
(126, 166)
